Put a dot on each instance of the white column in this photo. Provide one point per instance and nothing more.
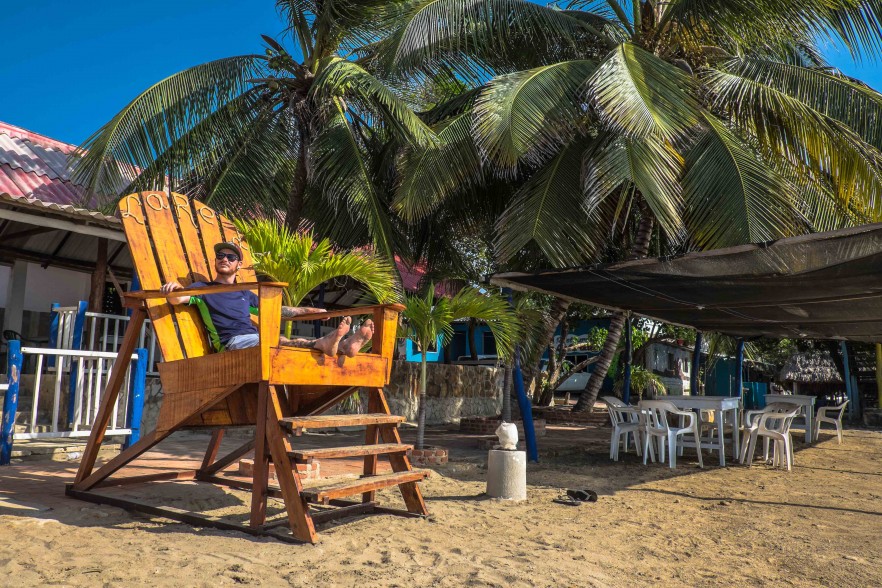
(15, 296)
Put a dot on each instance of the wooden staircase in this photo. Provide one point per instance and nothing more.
(382, 439)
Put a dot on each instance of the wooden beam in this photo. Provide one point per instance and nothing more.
(159, 477)
(64, 225)
(227, 459)
(99, 278)
(28, 233)
(176, 514)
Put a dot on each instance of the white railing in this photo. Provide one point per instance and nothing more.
(93, 370)
(104, 333)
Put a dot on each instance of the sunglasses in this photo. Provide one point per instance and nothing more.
(227, 256)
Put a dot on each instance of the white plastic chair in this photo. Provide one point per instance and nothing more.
(774, 425)
(657, 426)
(832, 415)
(625, 422)
(751, 423)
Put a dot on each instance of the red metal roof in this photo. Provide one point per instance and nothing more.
(35, 166)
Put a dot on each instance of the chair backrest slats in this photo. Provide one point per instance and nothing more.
(139, 239)
(172, 238)
(197, 258)
(210, 229)
(173, 266)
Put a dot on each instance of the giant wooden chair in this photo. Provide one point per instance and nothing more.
(279, 390)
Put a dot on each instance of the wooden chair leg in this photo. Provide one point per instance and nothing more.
(289, 480)
(260, 472)
(411, 493)
(371, 437)
(213, 446)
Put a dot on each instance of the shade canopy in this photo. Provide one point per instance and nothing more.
(819, 286)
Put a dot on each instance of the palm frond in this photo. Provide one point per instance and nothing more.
(342, 174)
(305, 263)
(548, 209)
(496, 313)
(639, 95)
(529, 114)
(429, 176)
(157, 119)
(341, 78)
(733, 196)
(486, 30)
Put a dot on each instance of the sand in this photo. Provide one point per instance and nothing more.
(818, 525)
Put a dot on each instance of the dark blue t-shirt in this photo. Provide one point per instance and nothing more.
(230, 311)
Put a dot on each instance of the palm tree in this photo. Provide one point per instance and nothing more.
(305, 263)
(428, 318)
(293, 130)
(707, 123)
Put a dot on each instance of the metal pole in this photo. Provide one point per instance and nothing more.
(136, 403)
(626, 385)
(849, 387)
(526, 407)
(696, 362)
(10, 401)
(739, 364)
(506, 394)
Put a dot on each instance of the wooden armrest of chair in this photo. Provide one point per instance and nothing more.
(314, 316)
(214, 289)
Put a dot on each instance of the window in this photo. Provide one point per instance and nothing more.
(489, 343)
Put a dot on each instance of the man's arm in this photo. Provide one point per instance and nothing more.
(171, 287)
(293, 311)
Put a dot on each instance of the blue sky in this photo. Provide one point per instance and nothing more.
(69, 66)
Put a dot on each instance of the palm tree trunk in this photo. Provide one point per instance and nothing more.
(421, 409)
(592, 388)
(530, 370)
(473, 348)
(298, 189)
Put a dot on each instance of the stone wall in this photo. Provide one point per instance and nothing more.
(453, 392)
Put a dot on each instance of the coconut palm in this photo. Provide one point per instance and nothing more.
(710, 123)
(305, 262)
(292, 129)
(428, 318)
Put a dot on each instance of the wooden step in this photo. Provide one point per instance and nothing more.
(351, 451)
(366, 484)
(340, 420)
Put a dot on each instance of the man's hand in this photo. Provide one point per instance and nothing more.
(170, 287)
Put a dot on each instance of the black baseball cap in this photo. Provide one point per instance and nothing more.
(233, 246)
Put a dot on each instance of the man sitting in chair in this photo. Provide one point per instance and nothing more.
(227, 315)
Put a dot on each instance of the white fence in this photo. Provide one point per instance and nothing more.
(104, 333)
(92, 371)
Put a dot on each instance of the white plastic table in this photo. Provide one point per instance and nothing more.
(720, 405)
(808, 406)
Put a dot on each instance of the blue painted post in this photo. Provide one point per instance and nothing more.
(10, 401)
(849, 385)
(136, 398)
(626, 384)
(53, 332)
(526, 408)
(739, 365)
(78, 328)
(696, 363)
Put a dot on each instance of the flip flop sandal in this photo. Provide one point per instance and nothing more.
(567, 500)
(581, 495)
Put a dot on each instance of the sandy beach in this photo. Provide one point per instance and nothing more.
(815, 526)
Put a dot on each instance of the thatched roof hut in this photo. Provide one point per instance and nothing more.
(813, 367)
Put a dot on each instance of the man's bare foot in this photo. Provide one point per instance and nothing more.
(353, 343)
(329, 343)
